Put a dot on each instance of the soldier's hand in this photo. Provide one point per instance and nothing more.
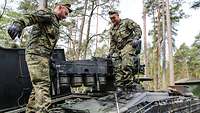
(109, 56)
(15, 30)
(136, 42)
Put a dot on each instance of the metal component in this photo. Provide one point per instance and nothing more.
(58, 80)
(116, 101)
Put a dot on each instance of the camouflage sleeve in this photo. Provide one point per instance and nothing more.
(112, 45)
(37, 17)
(134, 28)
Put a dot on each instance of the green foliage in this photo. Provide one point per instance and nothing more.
(188, 59)
(182, 54)
(5, 21)
(176, 13)
(197, 41)
(195, 90)
(28, 5)
(156, 10)
(100, 52)
(181, 62)
(196, 4)
(195, 57)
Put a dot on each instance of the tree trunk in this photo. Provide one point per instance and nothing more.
(74, 45)
(154, 70)
(158, 46)
(164, 86)
(187, 70)
(97, 28)
(145, 40)
(42, 4)
(154, 57)
(146, 72)
(169, 35)
(81, 29)
(88, 31)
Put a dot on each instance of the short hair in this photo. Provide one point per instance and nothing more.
(113, 12)
(68, 6)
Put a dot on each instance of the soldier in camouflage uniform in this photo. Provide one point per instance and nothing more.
(43, 37)
(123, 32)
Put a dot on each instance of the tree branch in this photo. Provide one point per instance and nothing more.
(3, 9)
(196, 5)
(94, 36)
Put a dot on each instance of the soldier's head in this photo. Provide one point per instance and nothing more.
(114, 17)
(62, 10)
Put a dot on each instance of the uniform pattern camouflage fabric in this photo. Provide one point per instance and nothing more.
(44, 35)
(121, 49)
(39, 100)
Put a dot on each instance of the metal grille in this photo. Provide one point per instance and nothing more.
(172, 105)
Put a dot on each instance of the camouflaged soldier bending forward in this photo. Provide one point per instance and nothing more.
(43, 37)
(123, 35)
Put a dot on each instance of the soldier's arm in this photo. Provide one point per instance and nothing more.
(137, 32)
(135, 29)
(112, 45)
(31, 19)
(15, 29)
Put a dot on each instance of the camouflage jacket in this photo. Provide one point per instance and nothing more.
(44, 33)
(123, 34)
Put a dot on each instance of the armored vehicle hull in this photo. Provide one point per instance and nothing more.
(100, 95)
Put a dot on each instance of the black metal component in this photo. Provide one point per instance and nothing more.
(58, 55)
(138, 68)
(96, 73)
(15, 82)
(16, 86)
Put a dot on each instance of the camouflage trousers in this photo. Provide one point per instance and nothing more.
(123, 63)
(40, 99)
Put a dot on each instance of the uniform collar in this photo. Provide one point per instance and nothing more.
(58, 19)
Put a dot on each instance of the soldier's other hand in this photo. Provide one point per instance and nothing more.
(109, 56)
(137, 46)
(136, 42)
(14, 30)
